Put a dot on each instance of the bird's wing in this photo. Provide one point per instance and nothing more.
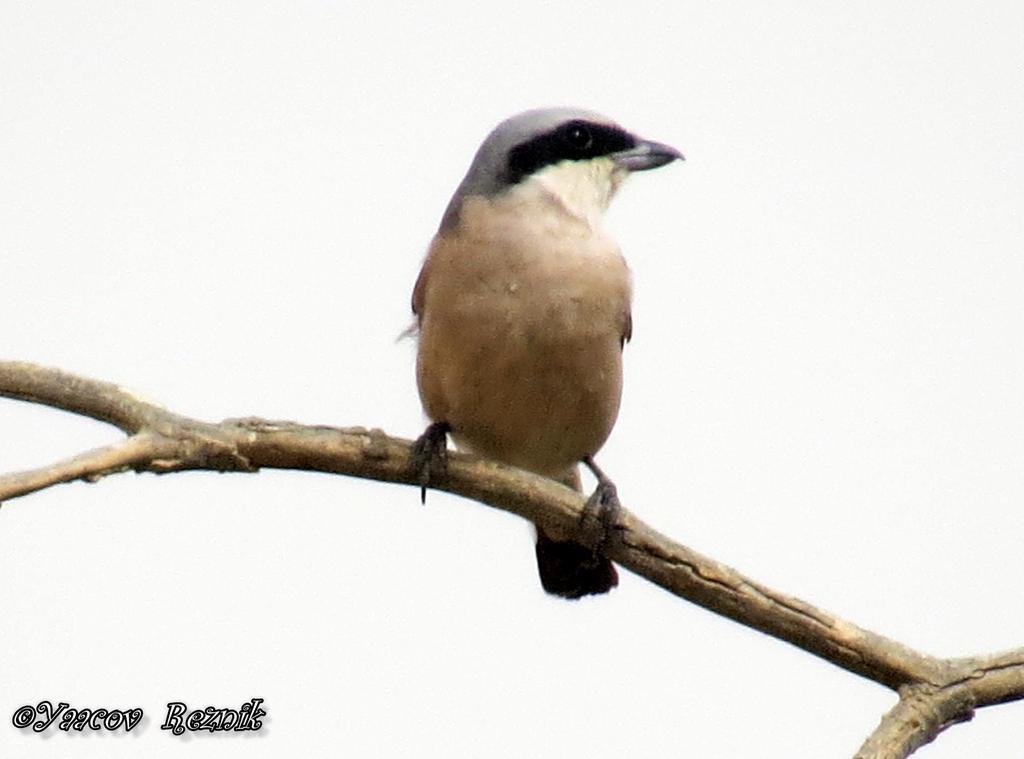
(420, 288)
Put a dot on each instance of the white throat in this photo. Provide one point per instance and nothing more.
(583, 188)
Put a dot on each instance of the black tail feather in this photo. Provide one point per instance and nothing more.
(571, 570)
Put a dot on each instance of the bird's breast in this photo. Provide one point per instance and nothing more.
(521, 324)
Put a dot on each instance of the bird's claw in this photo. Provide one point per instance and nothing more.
(429, 455)
(602, 509)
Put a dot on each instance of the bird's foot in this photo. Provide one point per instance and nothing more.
(602, 509)
(430, 454)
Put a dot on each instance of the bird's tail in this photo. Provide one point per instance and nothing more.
(571, 570)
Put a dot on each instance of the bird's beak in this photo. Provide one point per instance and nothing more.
(646, 155)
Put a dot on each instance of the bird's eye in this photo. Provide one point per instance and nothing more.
(578, 136)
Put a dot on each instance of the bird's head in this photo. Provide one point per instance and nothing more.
(578, 157)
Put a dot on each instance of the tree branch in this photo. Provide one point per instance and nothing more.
(934, 693)
(918, 717)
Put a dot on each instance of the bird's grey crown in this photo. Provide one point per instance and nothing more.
(487, 174)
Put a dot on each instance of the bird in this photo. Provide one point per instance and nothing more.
(523, 307)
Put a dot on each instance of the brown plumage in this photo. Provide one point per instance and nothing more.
(523, 306)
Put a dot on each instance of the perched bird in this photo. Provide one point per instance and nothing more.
(523, 307)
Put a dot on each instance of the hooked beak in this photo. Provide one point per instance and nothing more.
(646, 155)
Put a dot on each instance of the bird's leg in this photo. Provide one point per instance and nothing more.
(603, 506)
(430, 454)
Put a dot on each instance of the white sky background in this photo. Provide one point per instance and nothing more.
(224, 206)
